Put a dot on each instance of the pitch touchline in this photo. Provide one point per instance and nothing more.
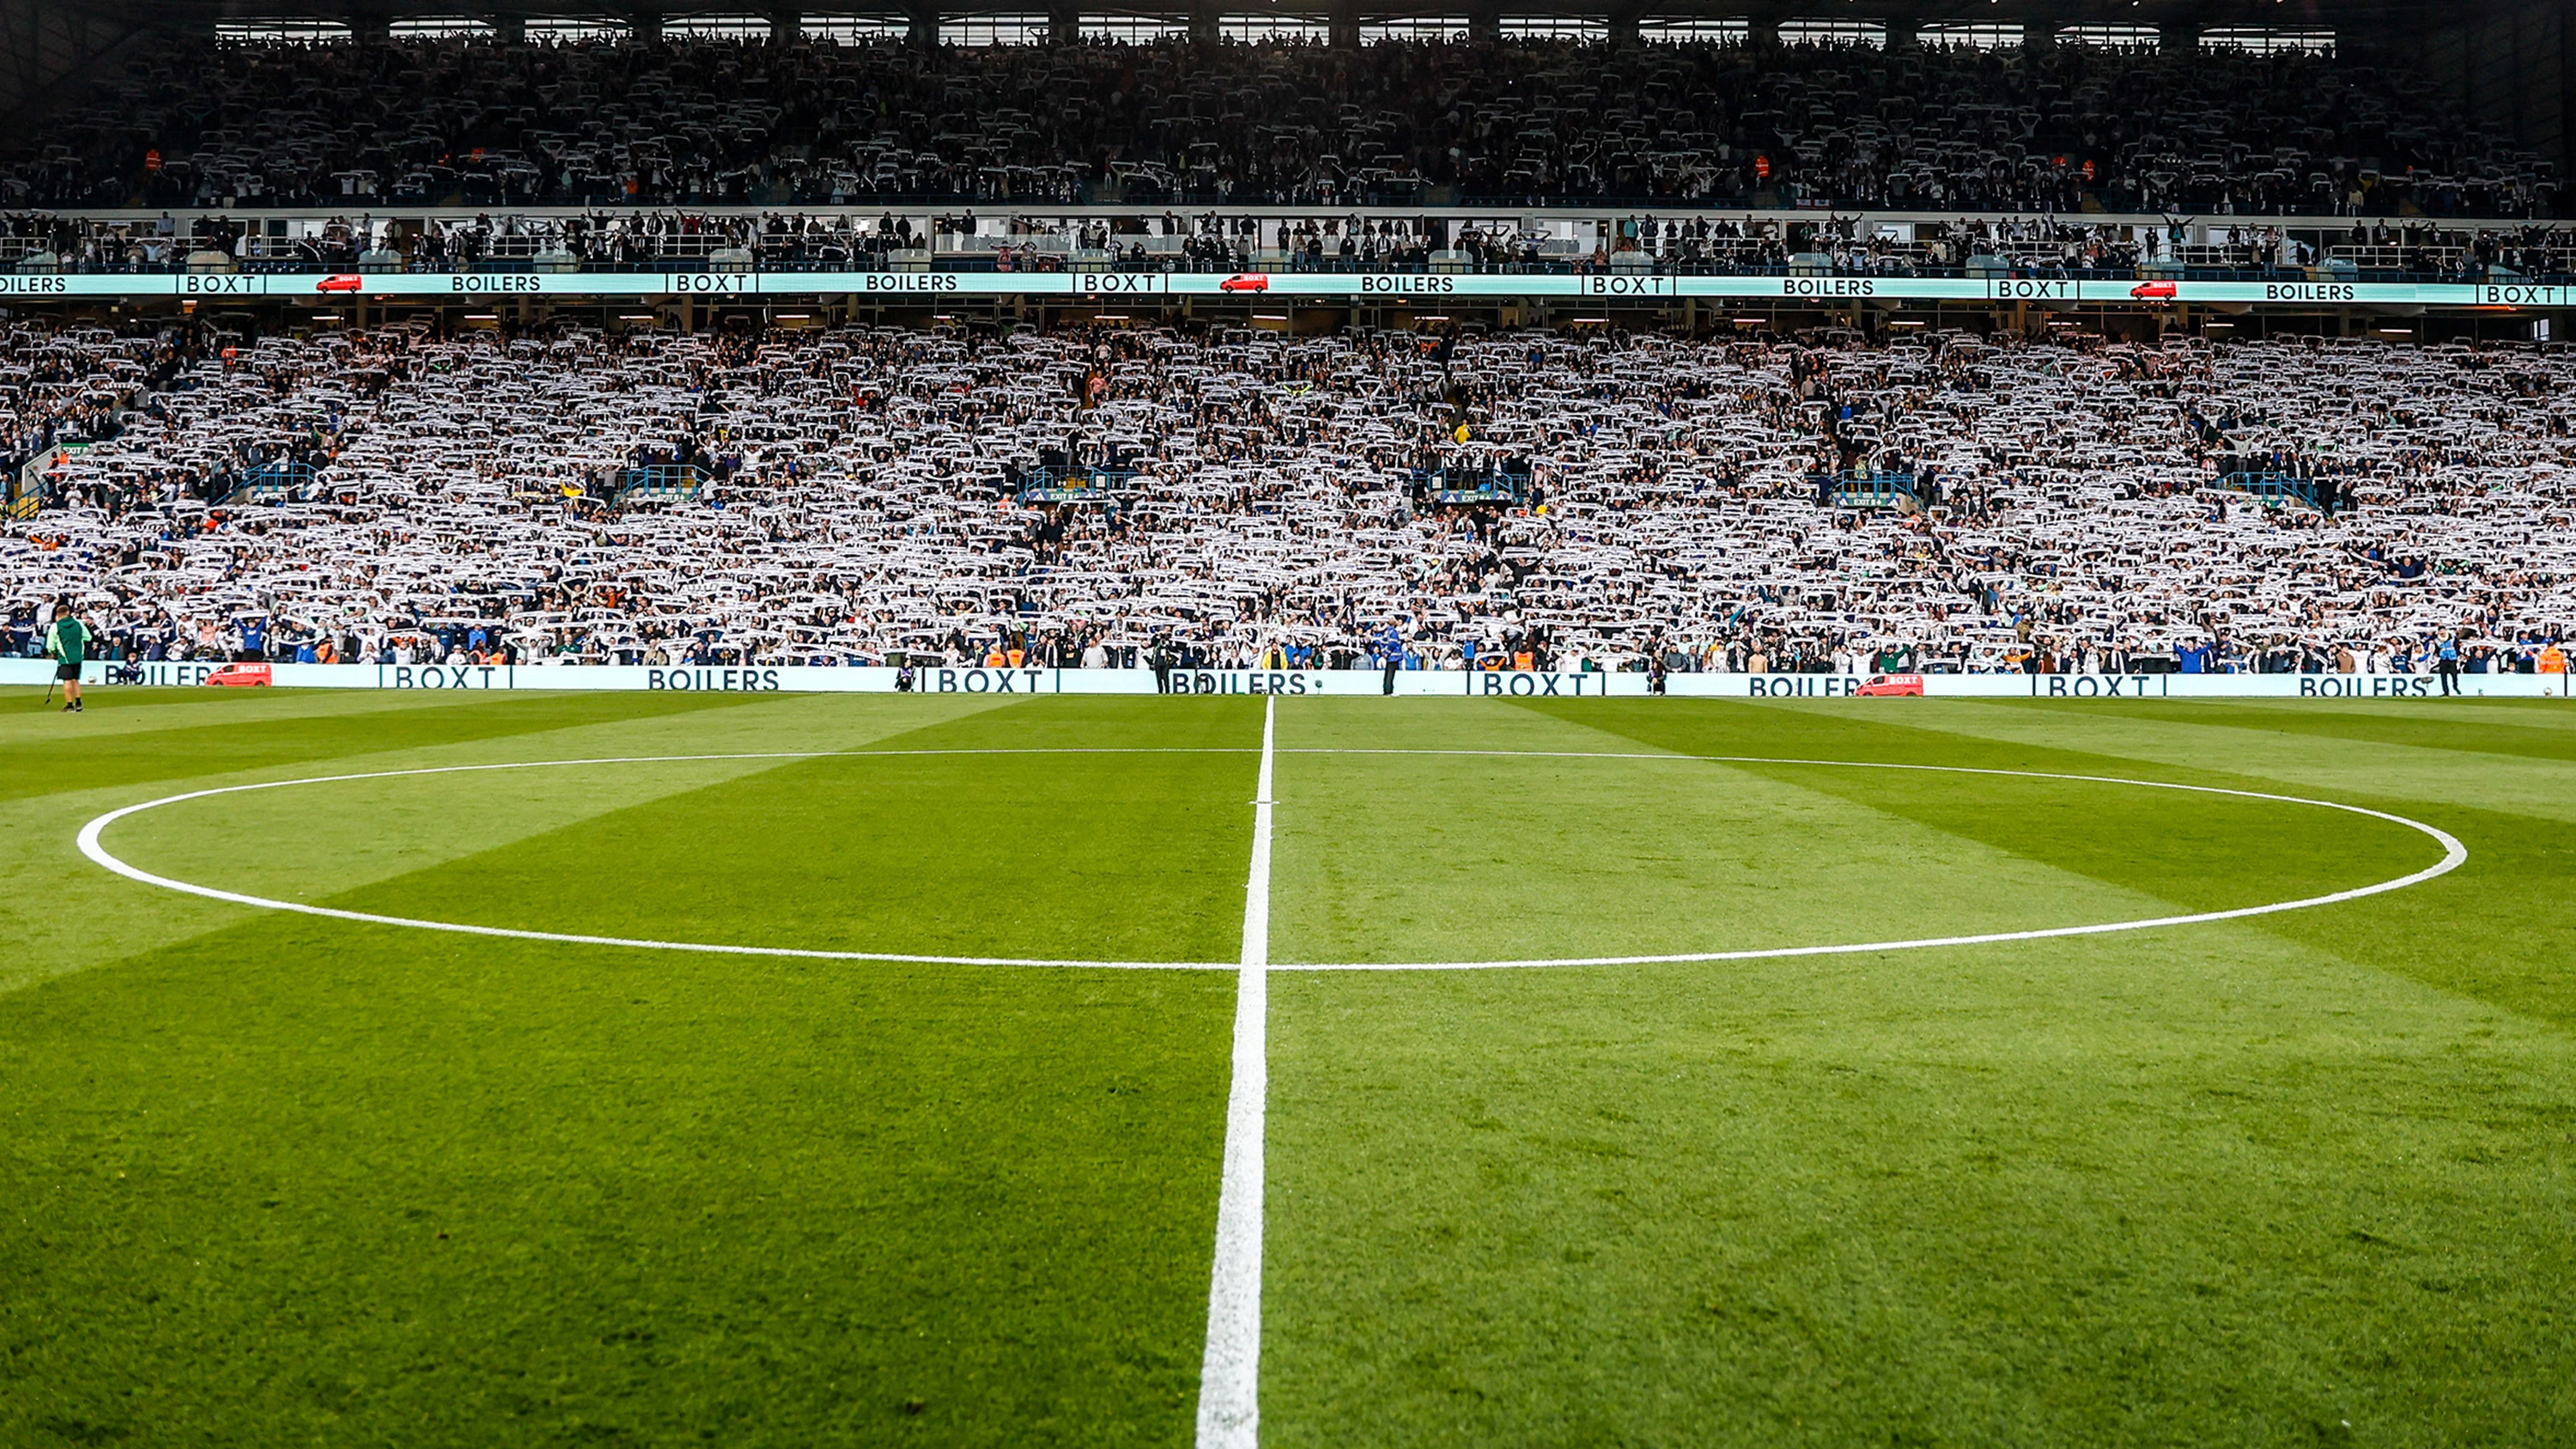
(2453, 854)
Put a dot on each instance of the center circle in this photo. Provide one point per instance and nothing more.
(91, 843)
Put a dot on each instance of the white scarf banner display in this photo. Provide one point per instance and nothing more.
(1492, 684)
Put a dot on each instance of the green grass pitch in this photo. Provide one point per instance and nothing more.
(269, 1179)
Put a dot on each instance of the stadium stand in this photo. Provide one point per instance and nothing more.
(2065, 128)
(1828, 484)
(860, 499)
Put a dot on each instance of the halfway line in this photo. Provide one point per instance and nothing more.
(1230, 1375)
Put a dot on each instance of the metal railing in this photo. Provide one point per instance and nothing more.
(1473, 488)
(1074, 484)
(2273, 489)
(1872, 490)
(273, 482)
(657, 483)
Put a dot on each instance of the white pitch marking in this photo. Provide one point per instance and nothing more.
(2453, 855)
(1230, 1374)
(90, 846)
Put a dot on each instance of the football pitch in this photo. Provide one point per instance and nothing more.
(777, 1070)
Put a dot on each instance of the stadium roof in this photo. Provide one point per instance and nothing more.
(2513, 54)
(2185, 15)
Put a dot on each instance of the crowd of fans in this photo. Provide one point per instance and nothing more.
(71, 388)
(804, 124)
(1225, 496)
(1701, 244)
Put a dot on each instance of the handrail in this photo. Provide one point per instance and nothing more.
(1871, 490)
(1077, 484)
(2273, 488)
(648, 482)
(263, 482)
(1495, 487)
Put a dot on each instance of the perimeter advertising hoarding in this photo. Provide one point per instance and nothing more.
(1254, 286)
(1499, 684)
